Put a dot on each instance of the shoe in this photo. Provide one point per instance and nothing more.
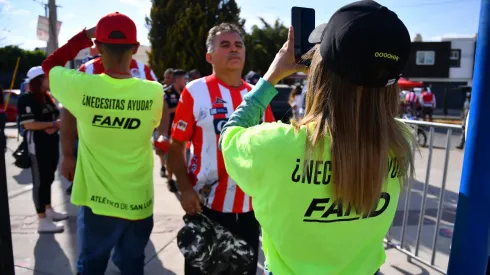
(172, 186)
(163, 172)
(56, 216)
(48, 226)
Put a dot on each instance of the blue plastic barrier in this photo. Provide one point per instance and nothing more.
(469, 251)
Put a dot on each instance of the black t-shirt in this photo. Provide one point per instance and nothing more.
(172, 100)
(31, 110)
(171, 97)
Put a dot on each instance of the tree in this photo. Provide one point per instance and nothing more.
(417, 38)
(178, 31)
(8, 59)
(263, 44)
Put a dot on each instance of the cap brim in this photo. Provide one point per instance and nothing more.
(316, 35)
(117, 41)
(36, 74)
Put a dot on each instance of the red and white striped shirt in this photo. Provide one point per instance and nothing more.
(204, 107)
(137, 68)
(411, 97)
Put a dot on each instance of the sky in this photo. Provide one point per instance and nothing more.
(433, 19)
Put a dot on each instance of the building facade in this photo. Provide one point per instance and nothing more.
(446, 67)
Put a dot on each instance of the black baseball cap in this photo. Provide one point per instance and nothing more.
(365, 43)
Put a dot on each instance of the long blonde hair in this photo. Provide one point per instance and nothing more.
(360, 123)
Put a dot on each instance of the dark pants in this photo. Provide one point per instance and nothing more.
(427, 111)
(75, 149)
(75, 153)
(3, 121)
(243, 225)
(98, 235)
(44, 155)
(462, 140)
(488, 267)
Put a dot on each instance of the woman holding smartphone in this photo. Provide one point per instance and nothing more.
(325, 189)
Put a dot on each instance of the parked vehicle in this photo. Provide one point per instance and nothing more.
(12, 104)
(280, 106)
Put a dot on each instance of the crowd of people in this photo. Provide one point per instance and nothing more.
(240, 175)
(418, 105)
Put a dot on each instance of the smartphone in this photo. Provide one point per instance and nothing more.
(303, 22)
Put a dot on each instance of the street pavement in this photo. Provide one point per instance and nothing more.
(449, 203)
(46, 254)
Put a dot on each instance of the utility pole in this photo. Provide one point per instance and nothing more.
(50, 12)
(53, 34)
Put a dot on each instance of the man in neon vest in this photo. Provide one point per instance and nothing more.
(116, 114)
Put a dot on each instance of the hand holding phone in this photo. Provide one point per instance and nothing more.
(284, 63)
(303, 22)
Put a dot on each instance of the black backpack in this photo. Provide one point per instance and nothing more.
(212, 248)
(21, 156)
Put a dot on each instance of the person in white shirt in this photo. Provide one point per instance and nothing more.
(296, 102)
(303, 101)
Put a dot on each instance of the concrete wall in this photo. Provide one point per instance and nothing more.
(467, 47)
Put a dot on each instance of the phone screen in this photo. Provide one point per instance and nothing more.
(303, 21)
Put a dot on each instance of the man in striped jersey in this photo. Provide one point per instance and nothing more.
(204, 107)
(411, 102)
(69, 136)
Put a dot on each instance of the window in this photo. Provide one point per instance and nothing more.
(455, 58)
(425, 58)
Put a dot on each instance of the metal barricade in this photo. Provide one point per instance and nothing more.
(401, 245)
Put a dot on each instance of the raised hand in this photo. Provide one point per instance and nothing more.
(284, 63)
(90, 33)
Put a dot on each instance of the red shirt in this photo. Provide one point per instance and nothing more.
(204, 107)
(428, 99)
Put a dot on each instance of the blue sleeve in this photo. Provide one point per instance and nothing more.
(252, 108)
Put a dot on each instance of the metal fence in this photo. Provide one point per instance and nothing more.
(421, 129)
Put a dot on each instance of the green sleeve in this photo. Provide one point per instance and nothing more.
(242, 144)
(67, 87)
